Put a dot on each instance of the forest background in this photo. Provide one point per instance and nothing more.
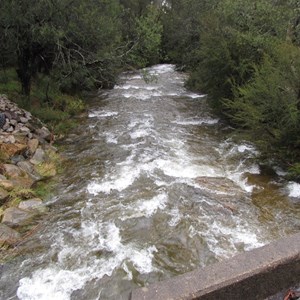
(244, 55)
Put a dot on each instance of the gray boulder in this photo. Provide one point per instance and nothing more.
(44, 133)
(16, 217)
(38, 157)
(27, 167)
(34, 205)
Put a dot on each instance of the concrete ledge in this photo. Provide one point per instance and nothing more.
(256, 274)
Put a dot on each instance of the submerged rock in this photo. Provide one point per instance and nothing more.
(220, 187)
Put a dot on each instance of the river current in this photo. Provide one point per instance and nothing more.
(154, 186)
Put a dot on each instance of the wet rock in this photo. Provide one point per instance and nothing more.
(220, 187)
(33, 145)
(8, 235)
(39, 157)
(12, 171)
(35, 204)
(16, 217)
(6, 184)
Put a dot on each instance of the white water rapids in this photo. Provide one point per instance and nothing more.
(154, 187)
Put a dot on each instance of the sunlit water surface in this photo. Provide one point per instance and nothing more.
(153, 187)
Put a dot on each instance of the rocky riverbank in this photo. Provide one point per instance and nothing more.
(27, 158)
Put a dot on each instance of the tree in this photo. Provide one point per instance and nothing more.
(147, 38)
(79, 40)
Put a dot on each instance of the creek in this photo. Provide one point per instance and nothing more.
(154, 186)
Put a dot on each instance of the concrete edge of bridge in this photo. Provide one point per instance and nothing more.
(256, 274)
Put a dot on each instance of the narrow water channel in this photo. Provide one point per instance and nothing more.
(154, 187)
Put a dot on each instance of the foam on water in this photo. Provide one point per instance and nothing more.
(181, 168)
(117, 182)
(294, 189)
(233, 238)
(59, 280)
(161, 69)
(127, 87)
(142, 94)
(149, 207)
(102, 114)
(51, 283)
(176, 216)
(194, 121)
(111, 138)
(140, 132)
(194, 95)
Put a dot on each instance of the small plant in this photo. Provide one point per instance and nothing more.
(21, 193)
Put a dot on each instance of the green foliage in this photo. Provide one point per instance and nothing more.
(294, 171)
(148, 31)
(75, 41)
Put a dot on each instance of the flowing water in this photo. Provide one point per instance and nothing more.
(153, 187)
